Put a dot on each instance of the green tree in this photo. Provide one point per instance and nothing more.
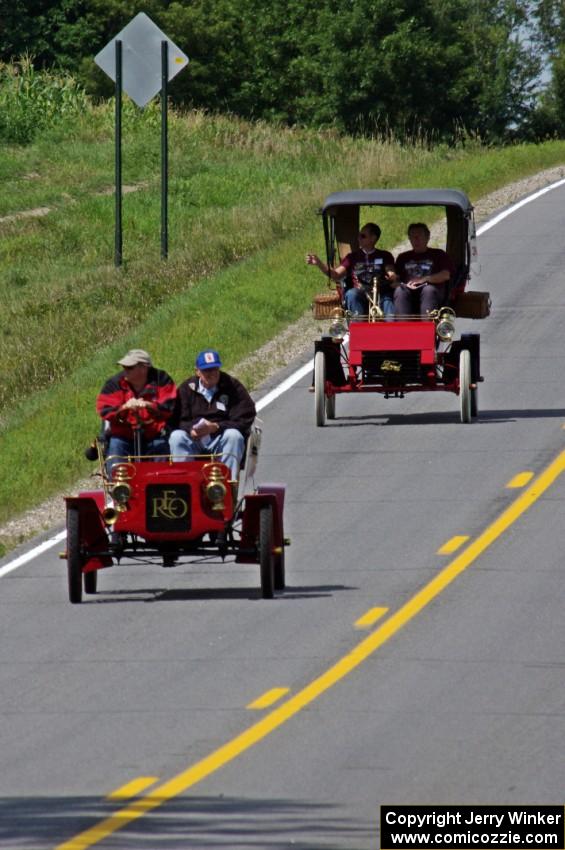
(409, 66)
(549, 118)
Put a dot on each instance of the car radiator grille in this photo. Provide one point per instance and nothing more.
(392, 368)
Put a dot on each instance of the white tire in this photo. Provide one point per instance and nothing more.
(465, 385)
(320, 388)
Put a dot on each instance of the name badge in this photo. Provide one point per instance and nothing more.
(220, 405)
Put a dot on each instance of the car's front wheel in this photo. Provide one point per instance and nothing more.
(465, 385)
(320, 388)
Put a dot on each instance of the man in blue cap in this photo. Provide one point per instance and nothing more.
(214, 414)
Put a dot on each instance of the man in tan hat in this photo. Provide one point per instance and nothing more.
(139, 397)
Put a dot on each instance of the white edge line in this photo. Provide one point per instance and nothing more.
(29, 556)
(282, 387)
(505, 213)
(286, 385)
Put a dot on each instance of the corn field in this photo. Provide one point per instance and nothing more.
(32, 101)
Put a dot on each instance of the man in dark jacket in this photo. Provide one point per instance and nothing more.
(140, 396)
(214, 414)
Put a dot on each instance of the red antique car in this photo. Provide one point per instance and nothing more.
(395, 355)
(156, 510)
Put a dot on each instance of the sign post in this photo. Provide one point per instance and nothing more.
(118, 154)
(164, 152)
(142, 61)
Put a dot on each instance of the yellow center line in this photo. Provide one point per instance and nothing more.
(131, 789)
(520, 480)
(269, 698)
(258, 731)
(370, 617)
(453, 544)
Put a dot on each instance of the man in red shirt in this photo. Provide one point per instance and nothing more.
(423, 274)
(140, 396)
(359, 267)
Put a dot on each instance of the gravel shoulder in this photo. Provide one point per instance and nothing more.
(292, 344)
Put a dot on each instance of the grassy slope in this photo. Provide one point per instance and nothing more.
(242, 208)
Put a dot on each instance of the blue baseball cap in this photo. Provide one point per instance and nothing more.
(208, 360)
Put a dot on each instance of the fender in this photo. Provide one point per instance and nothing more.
(92, 529)
(266, 494)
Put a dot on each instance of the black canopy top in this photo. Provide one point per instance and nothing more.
(399, 198)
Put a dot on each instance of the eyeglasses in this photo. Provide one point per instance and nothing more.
(364, 235)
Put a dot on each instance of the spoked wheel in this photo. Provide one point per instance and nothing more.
(465, 385)
(320, 388)
(266, 556)
(330, 407)
(74, 558)
(90, 582)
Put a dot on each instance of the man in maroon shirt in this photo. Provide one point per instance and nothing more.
(359, 267)
(140, 396)
(423, 274)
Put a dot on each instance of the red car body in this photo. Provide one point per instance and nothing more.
(157, 510)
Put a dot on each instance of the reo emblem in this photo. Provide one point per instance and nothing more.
(167, 508)
(169, 505)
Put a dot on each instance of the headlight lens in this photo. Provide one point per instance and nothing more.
(121, 493)
(445, 327)
(445, 330)
(338, 328)
(216, 493)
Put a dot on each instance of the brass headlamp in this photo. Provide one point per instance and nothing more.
(215, 488)
(121, 493)
(445, 324)
(118, 491)
(338, 327)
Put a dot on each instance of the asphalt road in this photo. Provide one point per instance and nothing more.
(455, 694)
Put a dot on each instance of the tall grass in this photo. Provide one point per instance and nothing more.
(236, 188)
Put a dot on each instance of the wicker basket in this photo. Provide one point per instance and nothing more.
(324, 305)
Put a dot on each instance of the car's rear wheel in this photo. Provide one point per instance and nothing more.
(91, 582)
(74, 557)
(474, 402)
(320, 388)
(465, 385)
(266, 556)
(279, 570)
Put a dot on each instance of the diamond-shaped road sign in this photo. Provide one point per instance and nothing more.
(141, 58)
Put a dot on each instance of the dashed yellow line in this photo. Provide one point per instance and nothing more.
(133, 788)
(371, 617)
(520, 480)
(453, 545)
(292, 706)
(269, 698)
